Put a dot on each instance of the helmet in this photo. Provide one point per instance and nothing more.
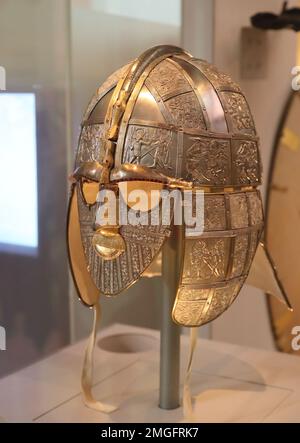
(172, 121)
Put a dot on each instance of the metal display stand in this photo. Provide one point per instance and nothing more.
(170, 332)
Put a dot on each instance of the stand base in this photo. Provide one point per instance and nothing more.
(231, 383)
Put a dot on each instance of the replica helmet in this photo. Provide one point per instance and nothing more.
(169, 121)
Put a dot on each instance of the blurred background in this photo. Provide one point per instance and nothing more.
(55, 54)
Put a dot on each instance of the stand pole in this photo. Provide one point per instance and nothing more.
(170, 332)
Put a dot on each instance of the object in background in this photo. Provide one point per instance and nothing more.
(168, 120)
(283, 222)
(287, 19)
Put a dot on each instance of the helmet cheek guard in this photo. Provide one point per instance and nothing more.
(168, 121)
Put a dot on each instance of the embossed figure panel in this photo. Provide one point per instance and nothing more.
(153, 147)
(168, 80)
(207, 260)
(185, 110)
(214, 213)
(239, 257)
(176, 98)
(255, 208)
(206, 161)
(221, 162)
(90, 147)
(238, 210)
(253, 242)
(189, 313)
(246, 162)
(238, 110)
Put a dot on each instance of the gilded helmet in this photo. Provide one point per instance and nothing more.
(168, 120)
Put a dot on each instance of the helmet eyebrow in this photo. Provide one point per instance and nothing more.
(127, 172)
(88, 170)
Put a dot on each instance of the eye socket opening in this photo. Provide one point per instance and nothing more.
(141, 195)
(89, 190)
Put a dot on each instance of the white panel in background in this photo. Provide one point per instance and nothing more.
(155, 11)
(18, 178)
